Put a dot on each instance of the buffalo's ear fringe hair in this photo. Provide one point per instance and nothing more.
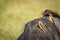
(54, 14)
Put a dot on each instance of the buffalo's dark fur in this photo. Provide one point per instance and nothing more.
(33, 32)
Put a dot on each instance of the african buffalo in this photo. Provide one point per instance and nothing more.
(42, 28)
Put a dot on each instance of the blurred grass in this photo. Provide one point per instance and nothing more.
(14, 14)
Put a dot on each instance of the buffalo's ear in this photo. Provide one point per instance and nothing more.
(41, 26)
(51, 18)
(54, 14)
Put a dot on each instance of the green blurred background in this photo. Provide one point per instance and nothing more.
(14, 14)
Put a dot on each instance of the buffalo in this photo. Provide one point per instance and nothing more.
(45, 28)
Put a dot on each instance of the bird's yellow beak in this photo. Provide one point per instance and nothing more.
(51, 18)
(41, 26)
